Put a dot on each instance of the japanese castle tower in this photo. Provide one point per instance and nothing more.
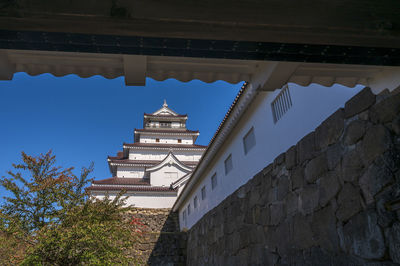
(155, 167)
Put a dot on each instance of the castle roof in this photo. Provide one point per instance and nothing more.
(128, 184)
(131, 188)
(122, 181)
(166, 131)
(163, 146)
(165, 115)
(112, 160)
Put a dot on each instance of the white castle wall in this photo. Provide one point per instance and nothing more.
(143, 199)
(130, 171)
(166, 175)
(166, 139)
(182, 155)
(311, 106)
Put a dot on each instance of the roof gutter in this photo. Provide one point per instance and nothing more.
(235, 112)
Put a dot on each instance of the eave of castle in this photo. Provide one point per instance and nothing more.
(166, 146)
(127, 162)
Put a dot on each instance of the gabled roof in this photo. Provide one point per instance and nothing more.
(165, 111)
(170, 159)
(153, 115)
(146, 162)
(181, 181)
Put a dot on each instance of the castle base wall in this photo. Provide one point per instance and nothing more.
(332, 199)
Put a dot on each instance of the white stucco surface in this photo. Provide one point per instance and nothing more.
(166, 139)
(311, 106)
(143, 199)
(131, 172)
(153, 154)
(166, 175)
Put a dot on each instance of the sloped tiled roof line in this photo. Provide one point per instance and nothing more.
(146, 114)
(165, 130)
(211, 143)
(152, 162)
(165, 145)
(242, 89)
(131, 188)
(122, 181)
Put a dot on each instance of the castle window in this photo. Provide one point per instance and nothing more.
(188, 209)
(179, 141)
(184, 216)
(281, 104)
(249, 141)
(203, 193)
(228, 164)
(195, 202)
(157, 140)
(214, 181)
(165, 124)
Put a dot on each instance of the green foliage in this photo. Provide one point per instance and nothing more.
(94, 234)
(50, 220)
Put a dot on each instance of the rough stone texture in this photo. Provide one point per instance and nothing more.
(306, 148)
(162, 242)
(363, 236)
(291, 157)
(377, 140)
(386, 110)
(354, 132)
(351, 166)
(394, 242)
(315, 168)
(331, 199)
(359, 102)
(348, 201)
(328, 187)
(330, 130)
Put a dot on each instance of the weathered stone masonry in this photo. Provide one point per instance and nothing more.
(162, 243)
(332, 199)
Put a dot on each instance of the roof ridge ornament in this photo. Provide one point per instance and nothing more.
(165, 103)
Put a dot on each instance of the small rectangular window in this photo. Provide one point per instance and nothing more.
(157, 140)
(179, 141)
(195, 202)
(214, 181)
(203, 193)
(228, 164)
(281, 104)
(188, 209)
(184, 215)
(249, 141)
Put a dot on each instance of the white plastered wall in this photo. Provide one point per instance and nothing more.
(182, 155)
(166, 175)
(166, 139)
(143, 199)
(130, 171)
(311, 106)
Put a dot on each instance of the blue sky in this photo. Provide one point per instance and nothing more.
(86, 119)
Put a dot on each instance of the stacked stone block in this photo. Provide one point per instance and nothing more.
(332, 199)
(162, 243)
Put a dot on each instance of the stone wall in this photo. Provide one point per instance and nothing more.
(332, 199)
(162, 242)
